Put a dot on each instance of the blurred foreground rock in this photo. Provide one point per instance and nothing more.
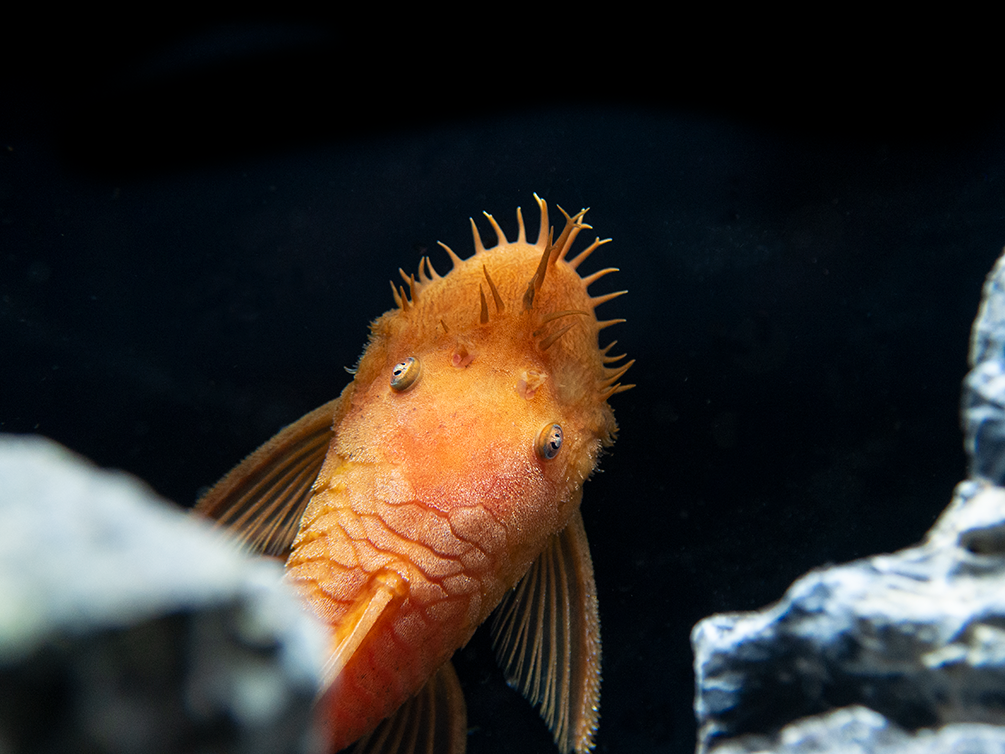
(894, 653)
(127, 626)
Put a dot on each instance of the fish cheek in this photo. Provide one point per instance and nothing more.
(387, 411)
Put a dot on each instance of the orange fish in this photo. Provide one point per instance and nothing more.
(443, 483)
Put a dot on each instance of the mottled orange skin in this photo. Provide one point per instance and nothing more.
(437, 494)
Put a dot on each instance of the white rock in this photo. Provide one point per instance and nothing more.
(126, 625)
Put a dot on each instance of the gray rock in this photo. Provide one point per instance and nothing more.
(983, 405)
(918, 636)
(128, 626)
(893, 653)
(859, 730)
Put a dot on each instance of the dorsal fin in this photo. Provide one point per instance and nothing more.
(546, 634)
(262, 500)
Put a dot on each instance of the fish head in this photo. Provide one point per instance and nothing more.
(486, 386)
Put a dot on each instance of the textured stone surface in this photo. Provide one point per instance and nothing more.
(984, 387)
(918, 636)
(126, 625)
(901, 652)
(860, 730)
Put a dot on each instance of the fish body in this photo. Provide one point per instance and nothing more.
(451, 468)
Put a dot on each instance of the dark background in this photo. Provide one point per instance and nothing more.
(198, 220)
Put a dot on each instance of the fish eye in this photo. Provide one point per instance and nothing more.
(549, 441)
(405, 374)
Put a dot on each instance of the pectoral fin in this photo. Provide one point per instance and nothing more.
(384, 588)
(434, 721)
(546, 634)
(263, 498)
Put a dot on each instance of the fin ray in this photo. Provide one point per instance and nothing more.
(366, 612)
(434, 721)
(262, 499)
(546, 634)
